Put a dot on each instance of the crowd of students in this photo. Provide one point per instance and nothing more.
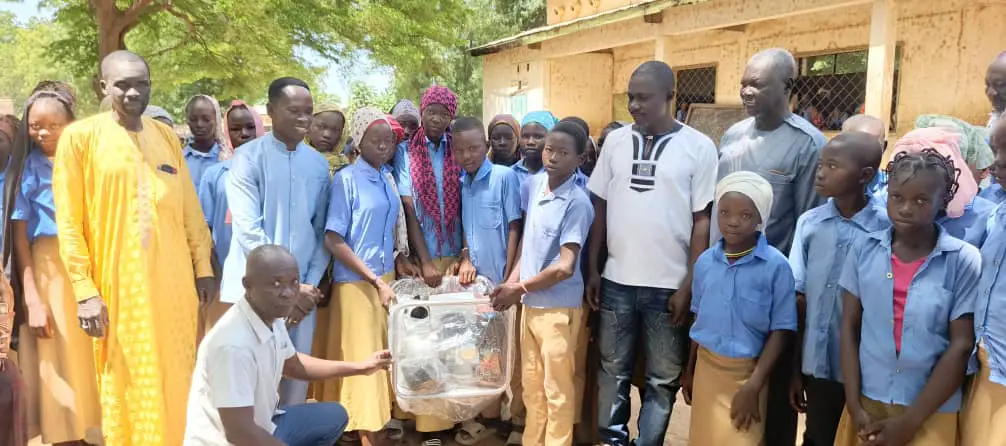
(776, 273)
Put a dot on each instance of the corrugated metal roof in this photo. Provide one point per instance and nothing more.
(552, 31)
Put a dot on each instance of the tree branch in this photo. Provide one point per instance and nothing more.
(139, 7)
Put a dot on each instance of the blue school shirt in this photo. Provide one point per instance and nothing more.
(994, 193)
(403, 176)
(970, 227)
(522, 172)
(554, 218)
(823, 238)
(489, 203)
(579, 178)
(33, 203)
(990, 312)
(363, 210)
(279, 197)
(198, 161)
(738, 305)
(943, 290)
(213, 199)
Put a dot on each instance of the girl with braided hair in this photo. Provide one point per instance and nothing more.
(907, 322)
(55, 354)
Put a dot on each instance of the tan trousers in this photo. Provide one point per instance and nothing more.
(983, 418)
(939, 430)
(548, 342)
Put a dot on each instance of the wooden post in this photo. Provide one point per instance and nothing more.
(880, 63)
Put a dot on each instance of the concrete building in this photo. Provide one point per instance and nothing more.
(891, 58)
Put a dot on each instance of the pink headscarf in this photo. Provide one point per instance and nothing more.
(227, 151)
(424, 185)
(946, 143)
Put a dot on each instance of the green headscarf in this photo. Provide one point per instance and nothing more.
(974, 139)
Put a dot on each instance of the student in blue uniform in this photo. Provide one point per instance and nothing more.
(55, 354)
(548, 282)
(907, 321)
(490, 206)
(848, 163)
(965, 215)
(491, 223)
(202, 113)
(534, 128)
(359, 233)
(745, 312)
(995, 192)
(983, 422)
(243, 125)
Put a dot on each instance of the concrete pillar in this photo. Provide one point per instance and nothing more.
(880, 62)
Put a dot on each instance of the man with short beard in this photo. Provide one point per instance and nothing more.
(783, 148)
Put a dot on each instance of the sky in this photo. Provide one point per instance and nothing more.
(336, 81)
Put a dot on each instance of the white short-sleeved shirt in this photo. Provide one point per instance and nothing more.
(239, 364)
(651, 201)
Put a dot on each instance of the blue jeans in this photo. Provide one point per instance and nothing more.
(319, 424)
(292, 391)
(628, 312)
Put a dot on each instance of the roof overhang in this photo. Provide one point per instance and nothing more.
(537, 35)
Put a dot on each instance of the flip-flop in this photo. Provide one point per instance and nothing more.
(472, 433)
(515, 439)
(394, 430)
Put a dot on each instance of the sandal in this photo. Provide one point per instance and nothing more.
(472, 433)
(432, 442)
(350, 438)
(515, 439)
(394, 430)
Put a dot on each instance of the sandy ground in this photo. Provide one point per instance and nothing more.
(677, 431)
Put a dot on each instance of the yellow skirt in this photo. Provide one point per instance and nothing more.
(940, 429)
(717, 380)
(983, 418)
(357, 327)
(59, 372)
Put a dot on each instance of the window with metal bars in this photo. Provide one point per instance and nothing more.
(830, 88)
(694, 86)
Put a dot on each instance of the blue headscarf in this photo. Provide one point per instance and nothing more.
(543, 118)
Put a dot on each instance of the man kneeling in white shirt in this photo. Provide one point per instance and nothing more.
(235, 384)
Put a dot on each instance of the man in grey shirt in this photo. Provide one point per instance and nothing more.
(780, 146)
(784, 149)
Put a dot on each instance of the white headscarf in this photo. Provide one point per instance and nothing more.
(752, 186)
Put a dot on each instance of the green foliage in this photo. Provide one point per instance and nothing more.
(25, 62)
(362, 95)
(450, 64)
(232, 48)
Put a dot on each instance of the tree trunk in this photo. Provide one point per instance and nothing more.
(111, 36)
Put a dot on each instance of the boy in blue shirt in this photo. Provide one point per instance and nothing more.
(491, 223)
(823, 235)
(548, 281)
(490, 206)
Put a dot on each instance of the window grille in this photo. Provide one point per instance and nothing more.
(832, 87)
(694, 86)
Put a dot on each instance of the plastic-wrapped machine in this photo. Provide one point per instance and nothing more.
(453, 352)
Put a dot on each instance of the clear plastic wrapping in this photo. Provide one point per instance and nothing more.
(453, 352)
